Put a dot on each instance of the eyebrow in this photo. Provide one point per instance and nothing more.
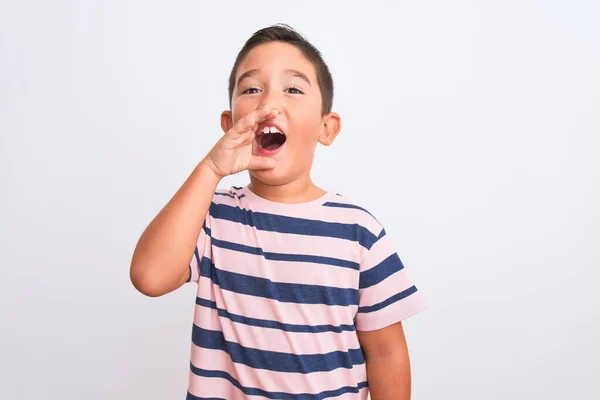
(293, 72)
(246, 74)
(299, 75)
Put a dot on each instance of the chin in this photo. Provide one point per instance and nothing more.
(271, 177)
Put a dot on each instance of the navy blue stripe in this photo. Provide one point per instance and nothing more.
(233, 196)
(192, 397)
(237, 187)
(387, 267)
(284, 292)
(391, 300)
(312, 259)
(272, 395)
(197, 255)
(190, 274)
(264, 323)
(337, 262)
(381, 234)
(345, 205)
(299, 226)
(274, 360)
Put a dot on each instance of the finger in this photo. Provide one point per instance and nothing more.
(252, 120)
(257, 162)
(244, 139)
(258, 116)
(264, 112)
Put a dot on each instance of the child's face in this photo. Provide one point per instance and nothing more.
(279, 75)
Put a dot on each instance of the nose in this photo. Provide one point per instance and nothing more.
(272, 98)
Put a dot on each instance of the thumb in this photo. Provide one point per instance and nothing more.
(257, 162)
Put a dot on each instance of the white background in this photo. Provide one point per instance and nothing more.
(470, 129)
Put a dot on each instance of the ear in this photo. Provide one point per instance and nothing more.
(226, 121)
(332, 125)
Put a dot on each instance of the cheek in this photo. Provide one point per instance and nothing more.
(305, 143)
(307, 128)
(242, 107)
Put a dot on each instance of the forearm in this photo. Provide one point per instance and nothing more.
(162, 255)
(389, 377)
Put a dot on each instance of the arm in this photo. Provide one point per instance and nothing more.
(388, 364)
(161, 258)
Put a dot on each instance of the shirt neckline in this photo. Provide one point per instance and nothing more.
(252, 199)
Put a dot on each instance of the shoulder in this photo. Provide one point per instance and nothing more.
(354, 212)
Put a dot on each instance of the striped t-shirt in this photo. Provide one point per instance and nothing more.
(282, 291)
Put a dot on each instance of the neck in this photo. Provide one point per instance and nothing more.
(298, 191)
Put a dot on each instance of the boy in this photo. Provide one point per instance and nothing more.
(300, 294)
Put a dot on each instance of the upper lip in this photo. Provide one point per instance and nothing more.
(269, 124)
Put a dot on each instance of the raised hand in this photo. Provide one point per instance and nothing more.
(233, 152)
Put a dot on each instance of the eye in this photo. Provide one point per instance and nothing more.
(294, 90)
(250, 90)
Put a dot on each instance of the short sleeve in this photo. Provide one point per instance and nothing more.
(386, 293)
(202, 250)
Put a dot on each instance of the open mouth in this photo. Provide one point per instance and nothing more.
(270, 138)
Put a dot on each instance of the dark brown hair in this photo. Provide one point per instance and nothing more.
(286, 34)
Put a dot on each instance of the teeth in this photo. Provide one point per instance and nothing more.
(270, 129)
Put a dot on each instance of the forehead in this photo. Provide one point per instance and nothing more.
(276, 57)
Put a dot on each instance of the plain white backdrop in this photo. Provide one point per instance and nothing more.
(470, 129)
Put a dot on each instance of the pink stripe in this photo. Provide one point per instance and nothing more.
(284, 271)
(194, 275)
(204, 387)
(272, 310)
(273, 381)
(362, 395)
(351, 216)
(274, 339)
(288, 243)
(391, 314)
